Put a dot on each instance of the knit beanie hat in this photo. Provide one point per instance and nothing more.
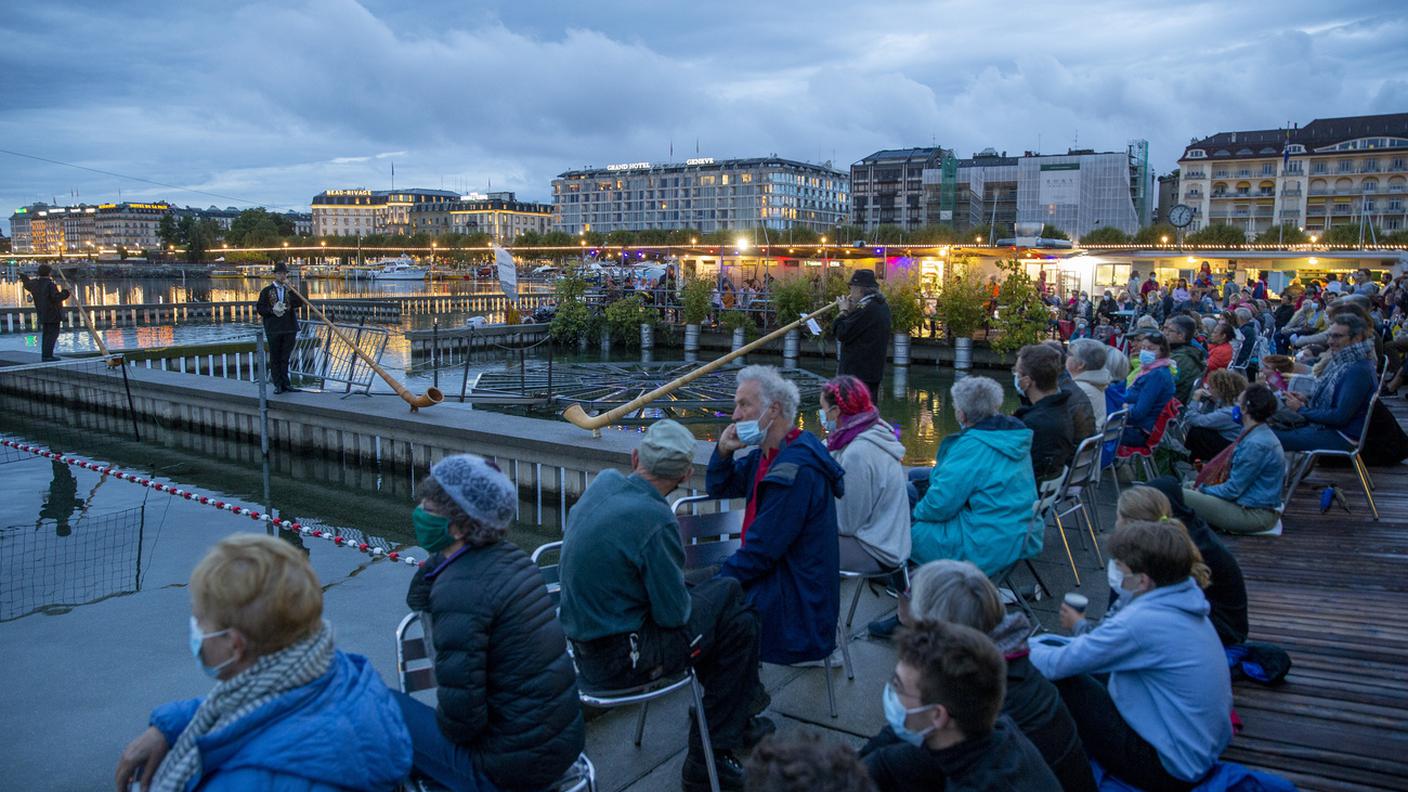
(478, 487)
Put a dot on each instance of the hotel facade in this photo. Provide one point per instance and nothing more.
(702, 194)
(359, 212)
(499, 214)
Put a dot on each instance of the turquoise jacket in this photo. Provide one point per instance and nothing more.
(979, 503)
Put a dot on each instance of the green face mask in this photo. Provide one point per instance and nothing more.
(432, 530)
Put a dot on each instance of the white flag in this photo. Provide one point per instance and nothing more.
(508, 273)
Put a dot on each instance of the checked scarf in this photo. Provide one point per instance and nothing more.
(1340, 363)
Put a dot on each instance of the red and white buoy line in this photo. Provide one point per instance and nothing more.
(288, 525)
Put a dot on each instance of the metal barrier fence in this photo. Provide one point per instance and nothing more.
(320, 353)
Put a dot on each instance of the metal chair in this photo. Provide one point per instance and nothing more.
(1084, 471)
(1309, 458)
(1111, 432)
(415, 672)
(863, 578)
(1145, 453)
(1032, 546)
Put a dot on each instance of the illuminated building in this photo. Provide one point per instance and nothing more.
(363, 212)
(703, 194)
(1332, 171)
(498, 214)
(54, 230)
(887, 188)
(130, 226)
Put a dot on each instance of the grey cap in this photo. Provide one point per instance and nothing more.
(478, 487)
(667, 450)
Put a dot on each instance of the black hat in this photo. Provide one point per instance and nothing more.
(280, 267)
(43, 270)
(864, 278)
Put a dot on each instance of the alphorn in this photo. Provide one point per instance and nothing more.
(430, 398)
(113, 362)
(578, 416)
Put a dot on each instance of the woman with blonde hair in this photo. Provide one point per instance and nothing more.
(288, 711)
(1214, 422)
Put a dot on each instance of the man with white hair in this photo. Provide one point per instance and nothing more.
(789, 563)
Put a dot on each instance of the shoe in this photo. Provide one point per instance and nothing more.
(836, 660)
(291, 389)
(756, 729)
(695, 776)
(883, 629)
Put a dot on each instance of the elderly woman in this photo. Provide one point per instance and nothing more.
(1243, 495)
(288, 711)
(959, 593)
(1214, 420)
(508, 715)
(979, 502)
(1086, 365)
(1150, 390)
(872, 516)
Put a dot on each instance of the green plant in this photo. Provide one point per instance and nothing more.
(793, 297)
(1155, 234)
(573, 320)
(1217, 234)
(963, 299)
(1049, 231)
(695, 297)
(1022, 317)
(1104, 235)
(625, 316)
(734, 320)
(906, 310)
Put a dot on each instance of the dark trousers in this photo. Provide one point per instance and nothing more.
(280, 350)
(1204, 443)
(49, 336)
(720, 641)
(874, 390)
(1110, 741)
(436, 755)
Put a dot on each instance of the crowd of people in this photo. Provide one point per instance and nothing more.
(1143, 695)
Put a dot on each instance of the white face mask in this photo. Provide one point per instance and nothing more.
(1017, 382)
(826, 422)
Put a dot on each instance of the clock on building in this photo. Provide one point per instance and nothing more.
(1180, 215)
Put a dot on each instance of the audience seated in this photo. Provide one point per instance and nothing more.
(1219, 347)
(959, 593)
(1078, 405)
(872, 517)
(1213, 419)
(943, 706)
(632, 619)
(1239, 491)
(805, 762)
(1244, 343)
(789, 562)
(1164, 715)
(288, 710)
(1338, 407)
(979, 501)
(1117, 364)
(1151, 390)
(508, 713)
(1188, 359)
(1053, 443)
(1086, 366)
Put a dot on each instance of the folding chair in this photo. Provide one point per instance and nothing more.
(1032, 545)
(863, 578)
(415, 672)
(1145, 453)
(1308, 459)
(1111, 433)
(1084, 471)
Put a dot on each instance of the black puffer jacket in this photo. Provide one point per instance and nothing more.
(507, 691)
(1053, 437)
(864, 334)
(1034, 704)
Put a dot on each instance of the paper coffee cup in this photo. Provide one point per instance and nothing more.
(1078, 602)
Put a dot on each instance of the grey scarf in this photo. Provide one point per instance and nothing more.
(1010, 634)
(232, 699)
(1340, 363)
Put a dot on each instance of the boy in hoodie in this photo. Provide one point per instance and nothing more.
(789, 562)
(1165, 715)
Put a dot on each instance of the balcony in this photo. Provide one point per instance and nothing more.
(1262, 211)
(1291, 193)
(1315, 211)
(1319, 191)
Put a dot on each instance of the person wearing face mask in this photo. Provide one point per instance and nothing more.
(1239, 490)
(789, 563)
(631, 617)
(507, 715)
(873, 516)
(945, 728)
(1214, 418)
(1164, 716)
(1150, 390)
(289, 712)
(1036, 376)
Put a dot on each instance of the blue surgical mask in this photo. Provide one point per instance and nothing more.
(750, 433)
(826, 422)
(1017, 382)
(1237, 413)
(1146, 357)
(895, 715)
(197, 638)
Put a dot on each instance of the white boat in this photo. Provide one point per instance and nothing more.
(402, 268)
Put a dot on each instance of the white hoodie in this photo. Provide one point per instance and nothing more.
(1093, 385)
(875, 508)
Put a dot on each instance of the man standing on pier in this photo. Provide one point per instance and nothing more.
(863, 328)
(278, 304)
(48, 304)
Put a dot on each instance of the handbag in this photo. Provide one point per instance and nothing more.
(1219, 468)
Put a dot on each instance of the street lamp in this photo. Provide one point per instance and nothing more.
(1163, 240)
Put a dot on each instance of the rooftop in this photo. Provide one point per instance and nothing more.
(1317, 134)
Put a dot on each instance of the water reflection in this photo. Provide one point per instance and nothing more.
(52, 569)
(138, 291)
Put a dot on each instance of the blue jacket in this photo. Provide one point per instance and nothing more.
(1349, 400)
(1168, 674)
(1147, 396)
(1258, 469)
(790, 565)
(342, 731)
(978, 507)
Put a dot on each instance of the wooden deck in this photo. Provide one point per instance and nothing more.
(1333, 591)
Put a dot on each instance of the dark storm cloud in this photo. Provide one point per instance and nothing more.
(275, 101)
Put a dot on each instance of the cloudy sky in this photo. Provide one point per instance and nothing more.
(268, 103)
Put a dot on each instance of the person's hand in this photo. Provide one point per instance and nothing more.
(1294, 402)
(1070, 617)
(140, 759)
(844, 303)
(728, 441)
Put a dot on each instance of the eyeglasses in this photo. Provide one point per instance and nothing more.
(1339, 335)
